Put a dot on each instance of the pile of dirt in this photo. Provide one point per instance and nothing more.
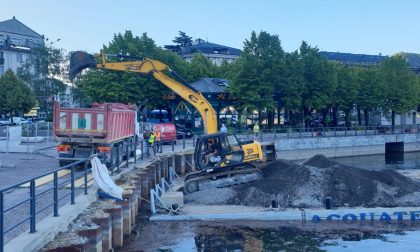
(309, 183)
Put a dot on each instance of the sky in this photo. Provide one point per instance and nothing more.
(354, 26)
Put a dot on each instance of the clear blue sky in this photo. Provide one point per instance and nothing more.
(356, 26)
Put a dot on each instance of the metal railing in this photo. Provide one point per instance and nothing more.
(35, 193)
(294, 132)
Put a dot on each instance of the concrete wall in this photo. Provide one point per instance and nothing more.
(302, 148)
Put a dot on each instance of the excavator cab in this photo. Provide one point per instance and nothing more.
(217, 151)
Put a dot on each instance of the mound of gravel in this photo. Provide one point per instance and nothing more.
(308, 184)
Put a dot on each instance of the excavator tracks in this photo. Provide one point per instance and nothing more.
(203, 180)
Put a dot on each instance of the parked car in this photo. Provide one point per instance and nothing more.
(4, 121)
(181, 130)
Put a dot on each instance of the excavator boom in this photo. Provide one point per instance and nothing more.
(81, 60)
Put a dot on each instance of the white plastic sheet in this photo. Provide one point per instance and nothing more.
(15, 135)
(103, 180)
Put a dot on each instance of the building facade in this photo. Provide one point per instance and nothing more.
(214, 52)
(16, 42)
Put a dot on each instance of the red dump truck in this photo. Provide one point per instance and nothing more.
(108, 129)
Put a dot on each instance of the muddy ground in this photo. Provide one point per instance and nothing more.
(308, 184)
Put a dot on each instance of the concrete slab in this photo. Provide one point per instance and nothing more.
(231, 213)
(171, 198)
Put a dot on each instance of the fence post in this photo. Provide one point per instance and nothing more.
(183, 141)
(193, 140)
(32, 206)
(7, 139)
(55, 194)
(128, 156)
(85, 175)
(36, 137)
(48, 132)
(135, 150)
(118, 157)
(142, 149)
(173, 145)
(72, 185)
(1, 222)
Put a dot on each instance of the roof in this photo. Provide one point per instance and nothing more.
(210, 85)
(353, 59)
(207, 47)
(412, 59)
(15, 26)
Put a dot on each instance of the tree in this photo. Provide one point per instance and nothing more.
(115, 86)
(44, 71)
(370, 93)
(182, 41)
(319, 81)
(346, 92)
(261, 70)
(291, 92)
(16, 96)
(201, 67)
(400, 86)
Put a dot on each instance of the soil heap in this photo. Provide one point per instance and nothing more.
(309, 183)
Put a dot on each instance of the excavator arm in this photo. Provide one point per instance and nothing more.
(81, 60)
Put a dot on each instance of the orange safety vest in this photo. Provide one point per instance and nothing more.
(158, 136)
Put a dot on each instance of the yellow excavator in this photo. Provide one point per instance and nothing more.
(221, 159)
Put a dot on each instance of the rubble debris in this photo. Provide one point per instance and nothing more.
(309, 183)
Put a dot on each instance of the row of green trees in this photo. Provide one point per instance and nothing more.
(265, 78)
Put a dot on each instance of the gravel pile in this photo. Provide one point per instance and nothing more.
(309, 183)
(64, 240)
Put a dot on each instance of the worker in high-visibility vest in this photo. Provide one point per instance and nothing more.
(152, 139)
(158, 140)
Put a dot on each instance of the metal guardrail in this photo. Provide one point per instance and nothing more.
(293, 132)
(34, 194)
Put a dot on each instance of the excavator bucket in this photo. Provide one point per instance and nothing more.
(80, 60)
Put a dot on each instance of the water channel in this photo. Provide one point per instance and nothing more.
(263, 236)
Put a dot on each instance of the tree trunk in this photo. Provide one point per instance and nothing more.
(366, 113)
(334, 115)
(347, 118)
(393, 119)
(306, 118)
(278, 114)
(359, 116)
(324, 118)
(270, 118)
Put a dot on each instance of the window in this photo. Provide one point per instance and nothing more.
(1, 54)
(19, 57)
(1, 69)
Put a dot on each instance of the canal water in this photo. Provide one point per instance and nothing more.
(272, 236)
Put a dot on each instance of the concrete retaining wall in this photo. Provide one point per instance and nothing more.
(303, 148)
